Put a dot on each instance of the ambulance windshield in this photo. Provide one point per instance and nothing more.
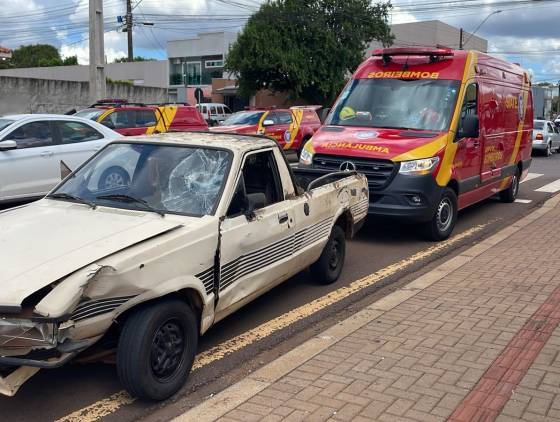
(414, 104)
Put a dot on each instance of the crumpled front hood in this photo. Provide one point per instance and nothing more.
(48, 240)
(389, 144)
(235, 129)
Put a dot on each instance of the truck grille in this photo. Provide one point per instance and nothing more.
(378, 172)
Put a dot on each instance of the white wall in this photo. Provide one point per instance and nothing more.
(206, 44)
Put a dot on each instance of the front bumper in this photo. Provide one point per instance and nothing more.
(413, 198)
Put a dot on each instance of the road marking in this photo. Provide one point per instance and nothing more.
(523, 201)
(550, 188)
(531, 176)
(111, 404)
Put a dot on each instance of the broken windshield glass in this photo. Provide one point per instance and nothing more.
(161, 178)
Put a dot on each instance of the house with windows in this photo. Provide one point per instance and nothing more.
(194, 62)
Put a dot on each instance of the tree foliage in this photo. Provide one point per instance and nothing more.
(135, 59)
(306, 47)
(38, 55)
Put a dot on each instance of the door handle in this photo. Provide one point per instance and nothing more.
(46, 154)
(282, 218)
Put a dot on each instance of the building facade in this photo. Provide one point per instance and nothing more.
(432, 34)
(542, 101)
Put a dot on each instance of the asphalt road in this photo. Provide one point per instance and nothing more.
(91, 392)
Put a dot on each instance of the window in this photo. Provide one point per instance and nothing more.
(258, 185)
(74, 132)
(170, 179)
(145, 118)
(284, 117)
(550, 128)
(204, 109)
(193, 73)
(538, 125)
(228, 111)
(32, 135)
(212, 110)
(470, 103)
(120, 119)
(214, 63)
(220, 110)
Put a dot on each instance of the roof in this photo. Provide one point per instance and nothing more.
(41, 116)
(235, 142)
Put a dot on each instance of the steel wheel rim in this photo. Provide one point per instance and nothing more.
(113, 180)
(168, 345)
(444, 214)
(335, 255)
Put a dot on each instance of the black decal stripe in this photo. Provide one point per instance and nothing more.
(207, 278)
(261, 258)
(97, 307)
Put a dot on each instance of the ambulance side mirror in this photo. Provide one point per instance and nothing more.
(468, 128)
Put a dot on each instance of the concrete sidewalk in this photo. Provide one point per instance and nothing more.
(476, 339)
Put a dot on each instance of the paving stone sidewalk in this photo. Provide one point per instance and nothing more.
(480, 344)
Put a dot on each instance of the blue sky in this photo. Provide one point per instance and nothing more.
(527, 31)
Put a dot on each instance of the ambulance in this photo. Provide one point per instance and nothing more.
(434, 130)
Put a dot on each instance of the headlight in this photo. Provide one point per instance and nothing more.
(20, 336)
(306, 156)
(423, 166)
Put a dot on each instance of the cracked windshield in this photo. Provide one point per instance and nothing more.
(163, 179)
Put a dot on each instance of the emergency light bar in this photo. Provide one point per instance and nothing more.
(433, 53)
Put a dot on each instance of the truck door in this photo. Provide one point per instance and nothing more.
(468, 155)
(254, 248)
(496, 138)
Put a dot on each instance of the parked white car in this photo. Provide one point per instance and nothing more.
(214, 113)
(32, 146)
(546, 137)
(207, 223)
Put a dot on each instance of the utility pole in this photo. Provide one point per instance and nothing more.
(129, 30)
(461, 39)
(558, 101)
(97, 83)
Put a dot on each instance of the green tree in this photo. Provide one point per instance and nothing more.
(37, 55)
(306, 47)
(136, 59)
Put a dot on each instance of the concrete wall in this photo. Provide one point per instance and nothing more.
(150, 73)
(29, 95)
(431, 34)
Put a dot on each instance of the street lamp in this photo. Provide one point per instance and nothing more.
(495, 12)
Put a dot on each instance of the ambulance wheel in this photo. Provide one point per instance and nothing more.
(510, 194)
(156, 349)
(328, 267)
(442, 223)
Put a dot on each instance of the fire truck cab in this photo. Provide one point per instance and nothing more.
(434, 131)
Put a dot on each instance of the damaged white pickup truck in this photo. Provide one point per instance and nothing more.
(195, 227)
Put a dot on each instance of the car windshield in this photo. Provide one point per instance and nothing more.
(417, 104)
(4, 123)
(148, 177)
(90, 113)
(244, 118)
(538, 125)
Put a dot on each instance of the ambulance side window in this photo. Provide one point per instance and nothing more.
(470, 104)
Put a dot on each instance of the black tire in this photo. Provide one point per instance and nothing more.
(113, 177)
(173, 326)
(509, 195)
(443, 221)
(328, 267)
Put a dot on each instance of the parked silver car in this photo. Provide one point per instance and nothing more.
(546, 137)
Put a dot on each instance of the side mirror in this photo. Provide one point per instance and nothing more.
(268, 122)
(255, 201)
(468, 127)
(64, 170)
(8, 145)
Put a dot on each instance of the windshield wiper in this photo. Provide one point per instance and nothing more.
(70, 197)
(128, 198)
